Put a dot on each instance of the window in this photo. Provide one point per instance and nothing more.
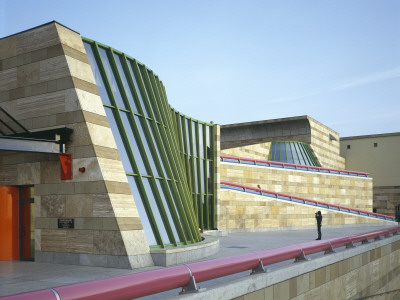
(348, 146)
(165, 161)
(375, 145)
(293, 152)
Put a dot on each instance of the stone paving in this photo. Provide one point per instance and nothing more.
(21, 276)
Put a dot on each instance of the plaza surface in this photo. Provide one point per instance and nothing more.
(22, 276)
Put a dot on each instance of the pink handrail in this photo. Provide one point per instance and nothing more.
(277, 194)
(269, 162)
(151, 282)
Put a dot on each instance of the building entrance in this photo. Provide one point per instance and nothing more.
(17, 217)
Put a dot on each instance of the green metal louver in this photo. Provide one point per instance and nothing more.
(293, 152)
(168, 157)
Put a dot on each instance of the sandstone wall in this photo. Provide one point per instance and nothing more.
(351, 191)
(241, 211)
(46, 82)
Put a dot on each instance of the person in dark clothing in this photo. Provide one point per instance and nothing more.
(318, 216)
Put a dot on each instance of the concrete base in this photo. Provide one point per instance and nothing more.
(93, 260)
(185, 254)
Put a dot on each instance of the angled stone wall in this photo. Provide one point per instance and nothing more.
(351, 191)
(244, 212)
(46, 82)
(256, 151)
(326, 145)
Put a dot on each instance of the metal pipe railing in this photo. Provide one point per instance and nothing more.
(151, 282)
(282, 196)
(270, 163)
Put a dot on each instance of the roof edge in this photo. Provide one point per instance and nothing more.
(305, 117)
(45, 24)
(370, 136)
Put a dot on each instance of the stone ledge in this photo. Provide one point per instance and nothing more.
(184, 254)
(95, 260)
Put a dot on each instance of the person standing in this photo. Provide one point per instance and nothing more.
(318, 216)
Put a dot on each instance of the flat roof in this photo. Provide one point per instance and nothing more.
(370, 136)
(265, 122)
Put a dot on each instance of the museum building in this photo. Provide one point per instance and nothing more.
(96, 167)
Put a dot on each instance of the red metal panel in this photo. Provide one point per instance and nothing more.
(66, 165)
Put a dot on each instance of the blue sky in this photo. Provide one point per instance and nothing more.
(241, 61)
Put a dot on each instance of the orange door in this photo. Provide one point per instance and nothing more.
(26, 206)
(9, 223)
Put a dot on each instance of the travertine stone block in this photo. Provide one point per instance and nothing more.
(85, 86)
(70, 38)
(79, 205)
(8, 47)
(8, 174)
(102, 206)
(101, 136)
(81, 70)
(28, 74)
(112, 170)
(108, 242)
(114, 187)
(54, 68)
(76, 54)
(124, 205)
(38, 38)
(54, 240)
(135, 242)
(110, 224)
(92, 170)
(106, 152)
(53, 206)
(8, 79)
(50, 103)
(79, 241)
(90, 187)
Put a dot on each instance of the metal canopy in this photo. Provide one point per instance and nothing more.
(29, 145)
(15, 137)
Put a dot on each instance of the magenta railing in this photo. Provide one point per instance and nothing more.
(282, 196)
(270, 163)
(186, 276)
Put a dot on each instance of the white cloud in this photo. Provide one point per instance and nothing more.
(348, 84)
(368, 79)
